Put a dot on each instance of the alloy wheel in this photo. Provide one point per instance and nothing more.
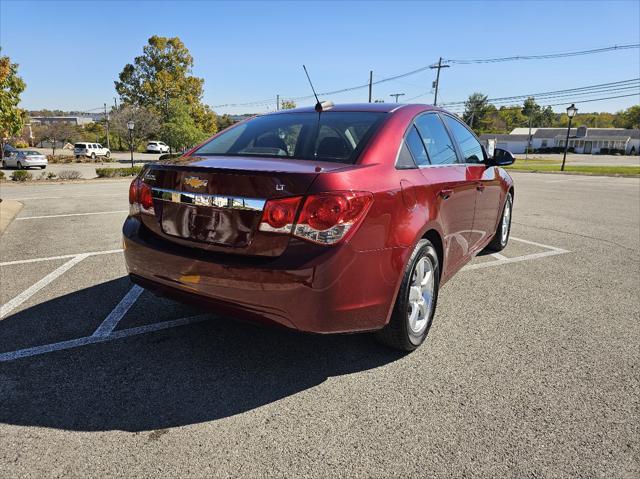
(421, 295)
(506, 221)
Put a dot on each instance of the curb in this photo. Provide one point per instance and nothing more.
(8, 211)
(573, 173)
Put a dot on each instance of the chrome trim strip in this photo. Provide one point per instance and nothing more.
(215, 201)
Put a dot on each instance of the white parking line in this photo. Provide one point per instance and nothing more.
(70, 214)
(27, 293)
(84, 341)
(111, 321)
(64, 256)
(105, 332)
(501, 259)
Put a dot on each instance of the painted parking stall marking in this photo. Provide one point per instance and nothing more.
(107, 331)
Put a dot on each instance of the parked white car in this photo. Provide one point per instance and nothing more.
(90, 150)
(24, 159)
(157, 147)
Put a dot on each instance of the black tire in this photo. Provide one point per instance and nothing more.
(77, 157)
(93, 157)
(4, 164)
(42, 167)
(499, 241)
(398, 334)
(19, 166)
(108, 155)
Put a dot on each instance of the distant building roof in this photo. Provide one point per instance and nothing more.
(523, 131)
(596, 133)
(504, 137)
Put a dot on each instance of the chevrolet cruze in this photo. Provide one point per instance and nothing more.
(330, 219)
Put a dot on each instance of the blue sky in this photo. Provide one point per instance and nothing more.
(71, 52)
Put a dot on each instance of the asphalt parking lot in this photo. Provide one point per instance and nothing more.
(531, 368)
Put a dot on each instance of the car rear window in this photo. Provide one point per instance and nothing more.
(328, 136)
(80, 145)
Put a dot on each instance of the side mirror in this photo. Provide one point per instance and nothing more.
(501, 158)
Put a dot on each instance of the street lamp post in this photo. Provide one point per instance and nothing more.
(130, 127)
(571, 112)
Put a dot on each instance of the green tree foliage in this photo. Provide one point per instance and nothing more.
(225, 121)
(629, 118)
(180, 131)
(163, 73)
(11, 86)
(478, 113)
(55, 133)
(287, 105)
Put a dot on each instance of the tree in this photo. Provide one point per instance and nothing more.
(180, 129)
(629, 118)
(161, 74)
(287, 105)
(11, 86)
(55, 133)
(478, 112)
(146, 121)
(225, 121)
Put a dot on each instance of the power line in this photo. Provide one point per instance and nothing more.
(269, 101)
(620, 83)
(545, 56)
(557, 104)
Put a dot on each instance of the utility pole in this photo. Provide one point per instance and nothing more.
(115, 102)
(370, 83)
(439, 66)
(396, 95)
(106, 119)
(277, 102)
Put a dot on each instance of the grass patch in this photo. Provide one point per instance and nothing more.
(544, 166)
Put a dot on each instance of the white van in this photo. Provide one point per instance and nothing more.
(90, 150)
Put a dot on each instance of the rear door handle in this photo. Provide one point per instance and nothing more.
(445, 194)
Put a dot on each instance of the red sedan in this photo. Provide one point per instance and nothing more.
(335, 219)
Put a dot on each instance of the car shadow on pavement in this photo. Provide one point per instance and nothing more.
(180, 376)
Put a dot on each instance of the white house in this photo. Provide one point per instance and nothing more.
(581, 139)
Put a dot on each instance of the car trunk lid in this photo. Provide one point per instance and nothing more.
(216, 203)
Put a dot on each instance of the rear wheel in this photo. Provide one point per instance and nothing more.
(501, 236)
(108, 155)
(93, 156)
(19, 166)
(4, 164)
(416, 302)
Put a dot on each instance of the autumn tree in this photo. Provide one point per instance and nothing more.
(161, 74)
(11, 86)
(287, 105)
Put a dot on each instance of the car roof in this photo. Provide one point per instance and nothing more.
(375, 107)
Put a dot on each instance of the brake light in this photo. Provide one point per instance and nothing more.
(279, 214)
(140, 197)
(326, 218)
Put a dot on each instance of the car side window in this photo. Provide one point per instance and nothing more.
(470, 146)
(436, 139)
(416, 147)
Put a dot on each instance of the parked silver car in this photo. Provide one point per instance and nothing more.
(25, 159)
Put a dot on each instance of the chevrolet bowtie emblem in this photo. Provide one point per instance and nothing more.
(195, 182)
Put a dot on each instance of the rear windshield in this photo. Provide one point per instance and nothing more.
(31, 153)
(80, 145)
(329, 136)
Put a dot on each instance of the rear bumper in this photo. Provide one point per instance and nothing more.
(36, 163)
(340, 290)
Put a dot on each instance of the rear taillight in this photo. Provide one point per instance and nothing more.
(140, 197)
(325, 218)
(278, 215)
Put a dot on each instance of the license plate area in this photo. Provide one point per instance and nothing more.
(208, 224)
